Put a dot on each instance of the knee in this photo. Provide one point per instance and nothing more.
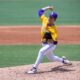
(41, 52)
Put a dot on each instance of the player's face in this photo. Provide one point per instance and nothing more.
(52, 20)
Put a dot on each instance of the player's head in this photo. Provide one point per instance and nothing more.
(52, 17)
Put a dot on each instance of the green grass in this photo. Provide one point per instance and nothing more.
(14, 55)
(23, 12)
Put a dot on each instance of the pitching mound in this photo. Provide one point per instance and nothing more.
(47, 71)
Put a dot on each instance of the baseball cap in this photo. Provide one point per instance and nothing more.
(53, 15)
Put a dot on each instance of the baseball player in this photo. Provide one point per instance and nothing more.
(49, 40)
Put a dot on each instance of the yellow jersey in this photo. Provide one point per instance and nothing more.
(48, 28)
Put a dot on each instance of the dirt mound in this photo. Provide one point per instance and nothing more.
(47, 71)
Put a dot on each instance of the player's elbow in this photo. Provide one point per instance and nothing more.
(40, 12)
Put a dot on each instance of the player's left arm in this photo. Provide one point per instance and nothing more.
(42, 11)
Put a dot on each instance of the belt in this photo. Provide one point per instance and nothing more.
(54, 42)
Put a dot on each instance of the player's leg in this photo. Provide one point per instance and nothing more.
(53, 57)
(44, 50)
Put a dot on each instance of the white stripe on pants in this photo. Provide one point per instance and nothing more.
(47, 50)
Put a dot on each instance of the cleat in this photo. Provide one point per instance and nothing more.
(32, 71)
(66, 61)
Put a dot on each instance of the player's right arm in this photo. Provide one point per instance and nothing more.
(42, 11)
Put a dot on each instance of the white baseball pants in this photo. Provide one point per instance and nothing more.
(47, 49)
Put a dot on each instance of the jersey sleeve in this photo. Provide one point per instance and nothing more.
(54, 37)
(41, 12)
(43, 18)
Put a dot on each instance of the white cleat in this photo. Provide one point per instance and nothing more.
(66, 61)
(32, 71)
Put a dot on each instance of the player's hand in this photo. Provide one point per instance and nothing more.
(48, 8)
(51, 8)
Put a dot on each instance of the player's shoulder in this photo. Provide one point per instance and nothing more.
(44, 18)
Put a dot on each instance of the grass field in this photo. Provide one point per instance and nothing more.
(14, 55)
(23, 12)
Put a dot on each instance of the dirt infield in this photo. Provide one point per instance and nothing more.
(31, 34)
(47, 71)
